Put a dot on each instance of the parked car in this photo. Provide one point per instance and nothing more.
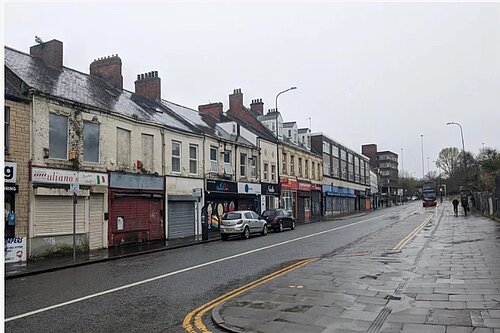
(277, 219)
(242, 222)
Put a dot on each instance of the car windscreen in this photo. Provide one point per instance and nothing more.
(232, 216)
(269, 213)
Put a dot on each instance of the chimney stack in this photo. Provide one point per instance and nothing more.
(213, 109)
(109, 69)
(257, 107)
(236, 100)
(50, 52)
(148, 85)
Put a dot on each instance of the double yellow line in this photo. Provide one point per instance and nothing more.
(412, 234)
(193, 320)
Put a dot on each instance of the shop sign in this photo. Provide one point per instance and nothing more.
(221, 186)
(10, 172)
(55, 176)
(197, 192)
(304, 187)
(15, 249)
(249, 188)
(289, 184)
(11, 188)
(315, 187)
(270, 189)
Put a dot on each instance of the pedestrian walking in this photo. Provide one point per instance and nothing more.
(465, 204)
(455, 206)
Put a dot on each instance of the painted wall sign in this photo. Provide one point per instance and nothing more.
(10, 172)
(15, 249)
(249, 188)
(57, 176)
(221, 186)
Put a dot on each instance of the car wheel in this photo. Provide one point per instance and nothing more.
(224, 237)
(280, 227)
(264, 230)
(246, 233)
(292, 226)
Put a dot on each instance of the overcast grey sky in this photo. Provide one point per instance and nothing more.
(381, 73)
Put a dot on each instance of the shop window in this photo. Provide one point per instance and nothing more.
(122, 147)
(193, 159)
(147, 144)
(287, 200)
(58, 136)
(6, 128)
(176, 156)
(90, 142)
(243, 165)
(213, 159)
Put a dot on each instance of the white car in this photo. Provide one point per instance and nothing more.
(242, 222)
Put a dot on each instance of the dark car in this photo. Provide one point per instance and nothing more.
(277, 219)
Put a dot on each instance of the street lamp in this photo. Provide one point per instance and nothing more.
(402, 165)
(422, 144)
(282, 92)
(463, 149)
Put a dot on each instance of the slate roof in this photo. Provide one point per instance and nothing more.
(265, 135)
(268, 116)
(82, 88)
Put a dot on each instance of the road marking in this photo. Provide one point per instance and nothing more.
(199, 312)
(410, 236)
(187, 269)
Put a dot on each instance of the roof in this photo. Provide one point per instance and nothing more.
(303, 130)
(268, 135)
(92, 91)
(289, 124)
(339, 144)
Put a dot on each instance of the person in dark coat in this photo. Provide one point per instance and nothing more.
(455, 206)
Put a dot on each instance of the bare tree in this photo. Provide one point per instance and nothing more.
(449, 160)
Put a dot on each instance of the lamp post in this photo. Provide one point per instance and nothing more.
(463, 150)
(277, 136)
(422, 144)
(402, 164)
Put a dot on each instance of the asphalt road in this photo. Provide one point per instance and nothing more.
(116, 296)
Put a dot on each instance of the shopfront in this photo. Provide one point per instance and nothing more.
(52, 216)
(249, 197)
(338, 200)
(270, 196)
(304, 202)
(136, 208)
(316, 201)
(288, 189)
(220, 197)
(10, 192)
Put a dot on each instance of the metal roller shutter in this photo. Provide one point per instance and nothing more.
(96, 221)
(54, 215)
(181, 219)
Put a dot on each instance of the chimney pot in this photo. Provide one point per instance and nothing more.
(50, 52)
(148, 85)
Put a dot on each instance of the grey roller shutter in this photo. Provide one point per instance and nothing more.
(54, 215)
(96, 221)
(181, 219)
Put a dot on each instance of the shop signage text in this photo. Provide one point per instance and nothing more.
(289, 184)
(221, 186)
(54, 176)
(15, 249)
(10, 172)
(270, 189)
(249, 188)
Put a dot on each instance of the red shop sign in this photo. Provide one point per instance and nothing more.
(289, 184)
(305, 187)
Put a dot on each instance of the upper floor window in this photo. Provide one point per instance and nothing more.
(350, 158)
(6, 129)
(326, 164)
(343, 155)
(213, 159)
(266, 170)
(292, 165)
(284, 163)
(90, 142)
(58, 136)
(253, 167)
(147, 145)
(306, 169)
(326, 147)
(313, 169)
(243, 165)
(335, 151)
(193, 159)
(122, 148)
(300, 166)
(176, 156)
(273, 173)
(289, 133)
(227, 163)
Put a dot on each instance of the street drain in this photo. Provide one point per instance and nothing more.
(393, 298)
(370, 277)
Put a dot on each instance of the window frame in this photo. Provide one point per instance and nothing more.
(273, 172)
(179, 157)
(89, 122)
(230, 170)
(214, 161)
(195, 159)
(253, 167)
(243, 166)
(67, 137)
(266, 170)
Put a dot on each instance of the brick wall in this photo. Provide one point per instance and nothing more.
(19, 147)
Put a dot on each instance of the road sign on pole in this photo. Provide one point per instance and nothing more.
(75, 188)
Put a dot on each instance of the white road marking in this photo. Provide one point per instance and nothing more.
(127, 286)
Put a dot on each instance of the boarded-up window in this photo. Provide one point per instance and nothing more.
(122, 148)
(58, 136)
(147, 152)
(90, 142)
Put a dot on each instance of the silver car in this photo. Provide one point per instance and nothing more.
(242, 222)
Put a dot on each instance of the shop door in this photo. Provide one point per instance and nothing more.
(96, 222)
(300, 209)
(181, 219)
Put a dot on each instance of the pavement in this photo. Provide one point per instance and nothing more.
(54, 263)
(446, 279)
